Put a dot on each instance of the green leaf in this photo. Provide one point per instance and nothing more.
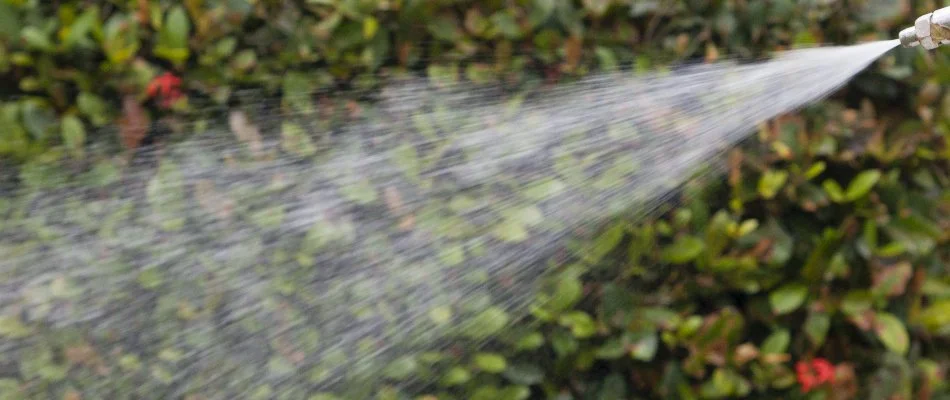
(597, 7)
(74, 134)
(150, 278)
(172, 42)
(485, 392)
(121, 39)
(613, 349)
(777, 342)
(297, 89)
(456, 376)
(12, 328)
(514, 393)
(862, 185)
(645, 348)
(445, 29)
(683, 250)
(563, 343)
(36, 38)
(834, 191)
(441, 315)
(526, 216)
(892, 333)
(606, 242)
(566, 293)
(244, 60)
(39, 119)
(510, 231)
(295, 140)
(545, 189)
(370, 27)
(816, 327)
(10, 389)
(407, 158)
(524, 374)
(268, 218)
(856, 302)
(401, 368)
(486, 323)
(788, 298)
(94, 108)
(323, 396)
(614, 388)
(815, 170)
(771, 182)
(581, 324)
(490, 362)
(507, 25)
(362, 191)
(452, 255)
(531, 341)
(936, 317)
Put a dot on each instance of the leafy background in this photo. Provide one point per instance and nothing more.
(827, 240)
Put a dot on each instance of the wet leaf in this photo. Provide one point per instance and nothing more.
(862, 185)
(936, 317)
(568, 291)
(597, 7)
(173, 38)
(816, 327)
(531, 341)
(645, 348)
(510, 231)
(788, 298)
(604, 244)
(834, 190)
(580, 323)
(361, 191)
(615, 387)
(490, 362)
(776, 343)
(295, 140)
(74, 135)
(892, 280)
(486, 323)
(771, 182)
(297, 89)
(524, 374)
(892, 332)
(683, 250)
(94, 108)
(613, 349)
(401, 368)
(441, 315)
(12, 328)
(455, 376)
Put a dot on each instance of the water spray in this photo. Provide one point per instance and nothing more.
(930, 30)
(233, 270)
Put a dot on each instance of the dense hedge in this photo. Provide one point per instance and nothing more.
(81, 58)
(828, 240)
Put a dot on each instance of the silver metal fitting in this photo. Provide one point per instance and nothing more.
(929, 31)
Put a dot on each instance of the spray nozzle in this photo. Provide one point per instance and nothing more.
(930, 30)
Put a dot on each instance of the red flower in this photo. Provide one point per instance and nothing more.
(167, 87)
(818, 372)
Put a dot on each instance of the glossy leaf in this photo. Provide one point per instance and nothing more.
(788, 298)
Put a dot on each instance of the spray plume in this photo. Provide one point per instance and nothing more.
(275, 253)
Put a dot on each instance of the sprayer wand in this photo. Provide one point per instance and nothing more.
(930, 30)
